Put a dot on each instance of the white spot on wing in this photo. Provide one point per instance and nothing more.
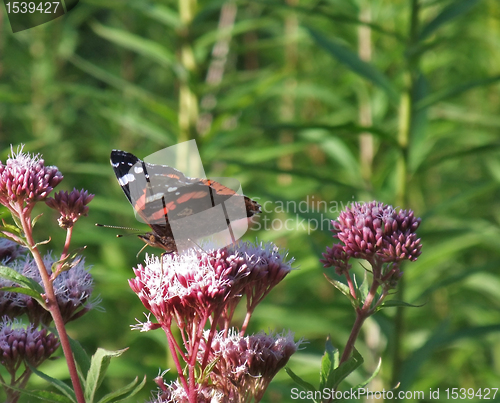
(138, 169)
(126, 179)
(172, 189)
(154, 197)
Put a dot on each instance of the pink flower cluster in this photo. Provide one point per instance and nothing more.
(24, 180)
(193, 285)
(376, 232)
(243, 367)
(200, 288)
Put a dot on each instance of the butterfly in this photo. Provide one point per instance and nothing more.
(164, 197)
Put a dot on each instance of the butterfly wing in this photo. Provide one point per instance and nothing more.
(161, 194)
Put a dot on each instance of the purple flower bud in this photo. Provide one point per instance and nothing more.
(71, 206)
(19, 344)
(373, 231)
(337, 258)
(246, 365)
(25, 179)
(9, 250)
(73, 289)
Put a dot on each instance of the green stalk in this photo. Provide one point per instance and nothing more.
(188, 101)
(406, 118)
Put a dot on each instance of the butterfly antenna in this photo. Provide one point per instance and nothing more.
(116, 227)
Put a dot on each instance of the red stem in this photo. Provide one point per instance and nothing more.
(172, 345)
(361, 314)
(52, 306)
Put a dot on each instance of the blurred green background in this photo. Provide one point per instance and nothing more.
(301, 101)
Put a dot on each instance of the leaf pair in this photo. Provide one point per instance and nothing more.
(91, 372)
(332, 373)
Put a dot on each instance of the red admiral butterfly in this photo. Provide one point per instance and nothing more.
(161, 195)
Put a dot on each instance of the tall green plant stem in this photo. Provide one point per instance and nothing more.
(188, 101)
(53, 307)
(406, 124)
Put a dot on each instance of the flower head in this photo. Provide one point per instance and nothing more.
(336, 257)
(175, 393)
(27, 345)
(71, 206)
(244, 366)
(25, 179)
(9, 250)
(72, 288)
(374, 231)
(194, 284)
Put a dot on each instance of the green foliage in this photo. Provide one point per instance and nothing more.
(28, 286)
(287, 119)
(95, 370)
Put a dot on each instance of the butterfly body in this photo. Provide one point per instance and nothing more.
(163, 196)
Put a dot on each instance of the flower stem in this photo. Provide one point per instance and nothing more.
(53, 308)
(358, 323)
(361, 314)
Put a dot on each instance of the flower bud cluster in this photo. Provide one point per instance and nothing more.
(24, 344)
(9, 250)
(72, 288)
(375, 232)
(71, 206)
(24, 180)
(245, 365)
(195, 285)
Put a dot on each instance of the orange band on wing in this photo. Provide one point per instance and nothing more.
(193, 195)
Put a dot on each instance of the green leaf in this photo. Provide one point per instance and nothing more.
(341, 18)
(41, 395)
(18, 278)
(329, 363)
(68, 262)
(438, 339)
(344, 289)
(98, 367)
(12, 228)
(161, 13)
(299, 381)
(139, 125)
(347, 130)
(25, 291)
(455, 9)
(375, 373)
(146, 97)
(355, 64)
(129, 390)
(144, 47)
(208, 369)
(346, 368)
(81, 357)
(364, 288)
(454, 91)
(394, 302)
(68, 392)
(308, 174)
(35, 220)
